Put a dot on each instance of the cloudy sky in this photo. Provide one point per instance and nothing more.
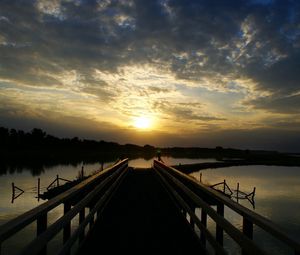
(194, 73)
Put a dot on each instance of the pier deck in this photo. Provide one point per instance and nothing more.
(141, 219)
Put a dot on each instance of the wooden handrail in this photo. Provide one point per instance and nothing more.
(247, 214)
(37, 245)
(101, 203)
(14, 225)
(218, 248)
(236, 235)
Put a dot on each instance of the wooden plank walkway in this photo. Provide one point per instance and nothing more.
(141, 219)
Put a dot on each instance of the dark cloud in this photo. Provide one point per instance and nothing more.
(158, 90)
(282, 77)
(184, 111)
(287, 104)
(209, 40)
(84, 35)
(284, 124)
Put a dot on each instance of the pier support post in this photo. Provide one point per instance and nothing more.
(204, 222)
(219, 230)
(81, 219)
(192, 223)
(67, 228)
(41, 226)
(13, 192)
(237, 192)
(14, 196)
(92, 221)
(247, 230)
(13, 189)
(38, 189)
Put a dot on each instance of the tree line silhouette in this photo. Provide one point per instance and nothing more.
(36, 150)
(37, 139)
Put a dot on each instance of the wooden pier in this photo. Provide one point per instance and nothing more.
(141, 219)
(143, 211)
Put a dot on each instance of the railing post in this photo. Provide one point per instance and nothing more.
(92, 219)
(192, 223)
(38, 189)
(98, 214)
(184, 213)
(57, 180)
(13, 191)
(219, 230)
(204, 223)
(41, 226)
(237, 192)
(247, 230)
(81, 219)
(82, 172)
(67, 228)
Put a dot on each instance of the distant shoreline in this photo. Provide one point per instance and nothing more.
(191, 168)
(37, 149)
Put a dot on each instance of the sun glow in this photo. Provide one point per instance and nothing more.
(142, 123)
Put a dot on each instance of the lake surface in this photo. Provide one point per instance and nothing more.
(277, 196)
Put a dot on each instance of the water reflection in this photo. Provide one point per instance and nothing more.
(277, 191)
(141, 162)
(38, 166)
(24, 180)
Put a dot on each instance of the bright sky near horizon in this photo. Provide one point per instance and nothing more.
(163, 72)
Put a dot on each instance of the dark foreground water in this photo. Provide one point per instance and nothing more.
(277, 197)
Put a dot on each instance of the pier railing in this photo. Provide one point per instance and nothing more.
(190, 194)
(92, 193)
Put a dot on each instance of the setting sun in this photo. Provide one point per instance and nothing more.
(142, 122)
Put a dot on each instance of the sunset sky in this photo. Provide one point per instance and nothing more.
(166, 73)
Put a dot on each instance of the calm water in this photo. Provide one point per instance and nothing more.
(277, 196)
